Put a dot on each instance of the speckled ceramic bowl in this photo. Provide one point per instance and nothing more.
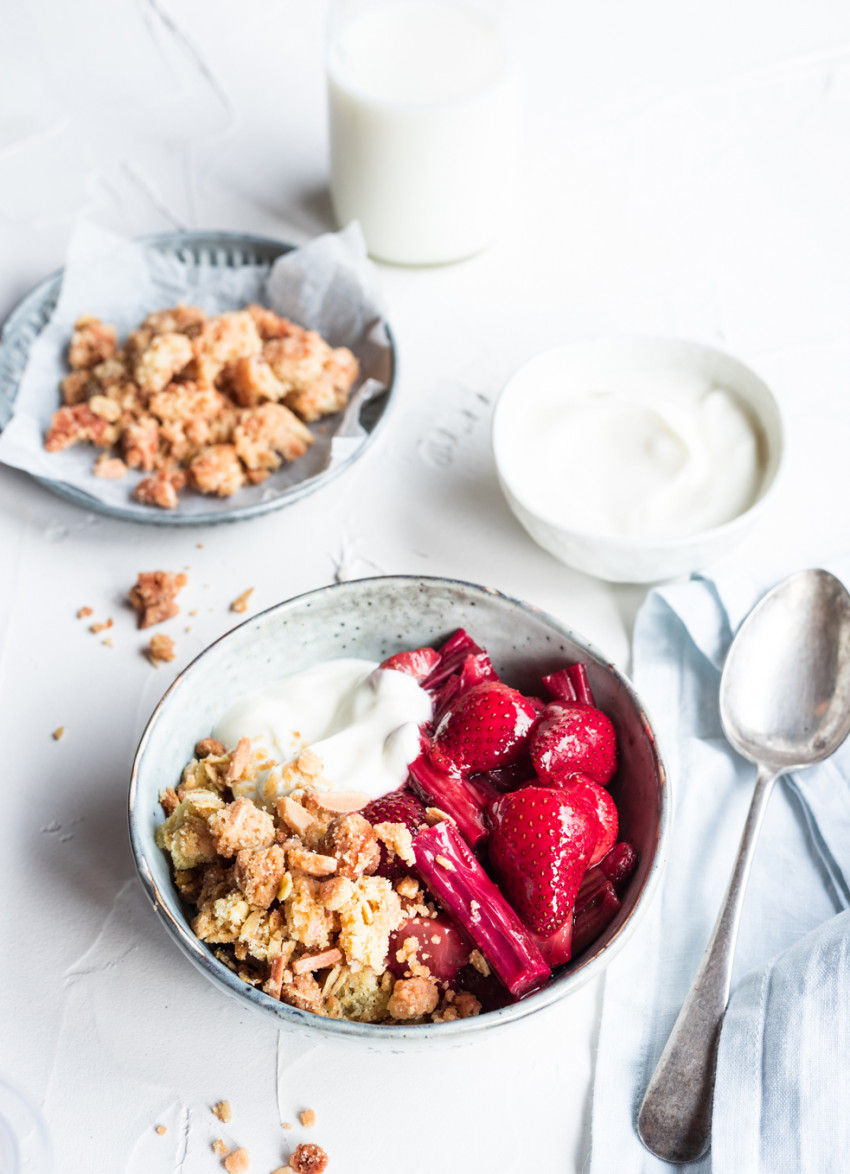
(373, 618)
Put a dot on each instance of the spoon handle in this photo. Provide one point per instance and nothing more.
(674, 1122)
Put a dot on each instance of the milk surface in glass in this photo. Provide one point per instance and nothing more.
(424, 126)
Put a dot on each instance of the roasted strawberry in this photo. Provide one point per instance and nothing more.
(437, 944)
(571, 736)
(397, 807)
(417, 664)
(582, 787)
(486, 728)
(540, 846)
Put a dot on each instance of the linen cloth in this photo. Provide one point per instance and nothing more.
(783, 1077)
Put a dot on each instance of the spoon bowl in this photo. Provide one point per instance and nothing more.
(784, 705)
(785, 690)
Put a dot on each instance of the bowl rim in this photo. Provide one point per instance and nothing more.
(777, 449)
(592, 965)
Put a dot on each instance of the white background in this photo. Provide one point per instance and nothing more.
(686, 173)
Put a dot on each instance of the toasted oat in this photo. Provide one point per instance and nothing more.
(84, 613)
(154, 594)
(223, 1110)
(307, 1118)
(308, 1158)
(240, 603)
(160, 649)
(58, 733)
(161, 1129)
(238, 1161)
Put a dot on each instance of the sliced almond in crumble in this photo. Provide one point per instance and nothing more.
(321, 961)
(340, 802)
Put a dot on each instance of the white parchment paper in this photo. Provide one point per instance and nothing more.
(328, 285)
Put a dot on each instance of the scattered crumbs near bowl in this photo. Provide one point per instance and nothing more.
(308, 1158)
(238, 1161)
(193, 612)
(160, 650)
(219, 1147)
(108, 642)
(58, 734)
(223, 1110)
(199, 545)
(84, 613)
(161, 1129)
(241, 602)
(308, 1118)
(286, 1124)
(104, 627)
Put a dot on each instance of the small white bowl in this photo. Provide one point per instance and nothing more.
(634, 560)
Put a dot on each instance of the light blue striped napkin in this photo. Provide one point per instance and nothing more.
(782, 1099)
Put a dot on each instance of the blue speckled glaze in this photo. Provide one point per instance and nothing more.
(374, 618)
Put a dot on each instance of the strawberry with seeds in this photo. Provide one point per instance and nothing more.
(485, 729)
(582, 788)
(417, 663)
(573, 736)
(540, 847)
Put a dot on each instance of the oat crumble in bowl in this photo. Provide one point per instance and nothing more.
(295, 916)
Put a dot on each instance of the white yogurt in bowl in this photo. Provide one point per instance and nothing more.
(360, 720)
(636, 459)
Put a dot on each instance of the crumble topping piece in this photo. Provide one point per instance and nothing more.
(154, 595)
(267, 435)
(258, 873)
(397, 839)
(477, 959)
(240, 603)
(58, 733)
(217, 470)
(157, 364)
(412, 998)
(308, 1118)
(91, 343)
(97, 628)
(73, 425)
(219, 1147)
(223, 1110)
(238, 1162)
(239, 825)
(186, 834)
(160, 649)
(84, 613)
(308, 1158)
(208, 747)
(109, 468)
(354, 844)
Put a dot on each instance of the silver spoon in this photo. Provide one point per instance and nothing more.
(784, 705)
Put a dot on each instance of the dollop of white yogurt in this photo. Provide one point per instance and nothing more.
(646, 456)
(361, 720)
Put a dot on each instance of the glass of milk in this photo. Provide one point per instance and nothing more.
(424, 125)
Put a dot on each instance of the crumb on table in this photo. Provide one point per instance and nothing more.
(308, 1118)
(97, 628)
(58, 733)
(160, 1129)
(220, 1147)
(309, 1159)
(84, 613)
(241, 602)
(238, 1161)
(154, 595)
(223, 1110)
(160, 649)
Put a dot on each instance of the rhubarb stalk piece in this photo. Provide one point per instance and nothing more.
(476, 905)
(445, 787)
(594, 916)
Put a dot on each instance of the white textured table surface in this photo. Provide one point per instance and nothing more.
(687, 173)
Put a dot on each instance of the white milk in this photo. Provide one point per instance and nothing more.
(424, 127)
